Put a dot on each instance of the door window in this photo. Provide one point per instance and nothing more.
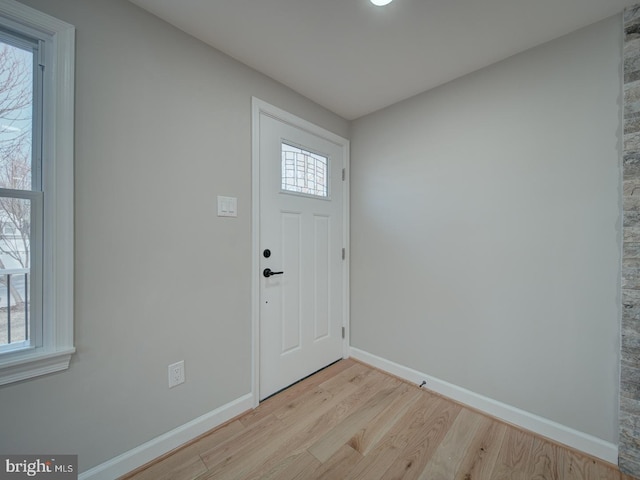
(304, 171)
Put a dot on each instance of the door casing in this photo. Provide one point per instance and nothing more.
(259, 107)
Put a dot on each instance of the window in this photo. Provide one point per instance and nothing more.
(9, 230)
(36, 192)
(304, 171)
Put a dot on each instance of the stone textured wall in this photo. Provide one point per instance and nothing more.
(629, 443)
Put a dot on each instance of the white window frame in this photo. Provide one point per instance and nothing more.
(54, 353)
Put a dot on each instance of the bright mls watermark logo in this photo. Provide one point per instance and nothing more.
(50, 467)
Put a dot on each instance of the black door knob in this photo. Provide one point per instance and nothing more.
(267, 272)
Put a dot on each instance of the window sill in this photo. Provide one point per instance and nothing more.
(34, 364)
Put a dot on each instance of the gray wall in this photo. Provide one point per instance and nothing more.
(163, 126)
(486, 225)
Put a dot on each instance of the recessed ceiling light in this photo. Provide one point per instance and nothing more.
(381, 3)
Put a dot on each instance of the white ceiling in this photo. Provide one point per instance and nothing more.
(354, 58)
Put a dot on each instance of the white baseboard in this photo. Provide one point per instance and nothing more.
(554, 431)
(135, 458)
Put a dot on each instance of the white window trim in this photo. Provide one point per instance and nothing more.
(58, 346)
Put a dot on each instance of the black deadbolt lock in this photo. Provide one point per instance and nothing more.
(266, 253)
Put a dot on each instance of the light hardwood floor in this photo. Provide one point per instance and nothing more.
(351, 421)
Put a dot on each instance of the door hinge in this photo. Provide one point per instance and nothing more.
(344, 253)
(344, 174)
(343, 332)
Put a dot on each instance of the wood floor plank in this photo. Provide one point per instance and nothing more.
(177, 467)
(338, 465)
(582, 467)
(353, 422)
(311, 400)
(219, 436)
(482, 454)
(268, 449)
(250, 439)
(309, 425)
(295, 391)
(448, 457)
(421, 447)
(186, 463)
(606, 472)
(328, 445)
(372, 433)
(546, 461)
(396, 439)
(293, 467)
(264, 453)
(314, 401)
(353, 376)
(514, 456)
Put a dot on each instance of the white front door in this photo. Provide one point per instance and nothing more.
(301, 240)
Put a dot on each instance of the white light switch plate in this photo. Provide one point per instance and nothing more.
(227, 206)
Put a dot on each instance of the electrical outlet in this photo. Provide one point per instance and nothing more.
(176, 373)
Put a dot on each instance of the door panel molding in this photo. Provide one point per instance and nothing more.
(259, 107)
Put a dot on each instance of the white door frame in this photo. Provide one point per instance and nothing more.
(259, 107)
